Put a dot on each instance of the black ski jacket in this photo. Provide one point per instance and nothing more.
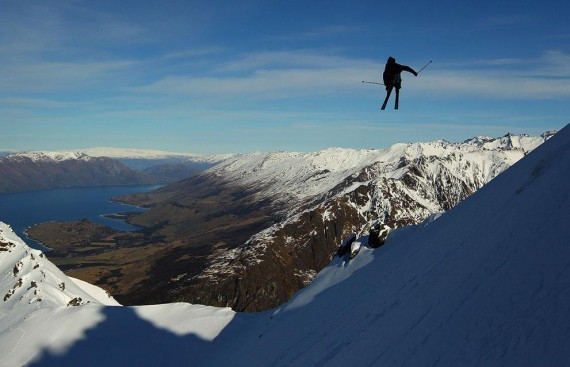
(392, 70)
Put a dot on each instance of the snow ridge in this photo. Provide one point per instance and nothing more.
(117, 153)
(153, 154)
(398, 186)
(286, 176)
(45, 156)
(29, 281)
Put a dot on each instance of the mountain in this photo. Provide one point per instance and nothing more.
(45, 170)
(30, 281)
(145, 154)
(168, 166)
(486, 283)
(35, 170)
(257, 227)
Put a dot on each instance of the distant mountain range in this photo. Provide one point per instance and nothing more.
(486, 283)
(98, 166)
(39, 170)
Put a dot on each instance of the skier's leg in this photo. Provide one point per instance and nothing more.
(397, 98)
(387, 97)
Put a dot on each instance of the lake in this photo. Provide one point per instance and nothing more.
(24, 209)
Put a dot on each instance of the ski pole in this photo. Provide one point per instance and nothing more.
(364, 81)
(426, 65)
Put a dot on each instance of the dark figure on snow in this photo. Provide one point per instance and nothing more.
(392, 79)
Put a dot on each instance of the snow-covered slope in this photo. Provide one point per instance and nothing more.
(291, 176)
(484, 284)
(32, 289)
(29, 281)
(43, 310)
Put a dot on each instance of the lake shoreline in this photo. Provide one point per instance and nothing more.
(22, 210)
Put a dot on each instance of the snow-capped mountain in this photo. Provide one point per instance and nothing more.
(45, 156)
(289, 176)
(23, 171)
(315, 200)
(168, 166)
(152, 154)
(28, 278)
(486, 283)
(45, 170)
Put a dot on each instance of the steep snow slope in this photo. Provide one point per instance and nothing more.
(485, 284)
(29, 278)
(29, 286)
(43, 310)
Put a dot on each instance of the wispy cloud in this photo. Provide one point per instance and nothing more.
(545, 78)
(318, 33)
(504, 21)
(500, 62)
(302, 73)
(61, 29)
(273, 75)
(35, 103)
(310, 59)
(191, 53)
(493, 85)
(53, 76)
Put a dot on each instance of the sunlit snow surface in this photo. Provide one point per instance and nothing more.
(487, 283)
(297, 176)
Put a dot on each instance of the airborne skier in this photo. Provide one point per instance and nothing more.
(392, 79)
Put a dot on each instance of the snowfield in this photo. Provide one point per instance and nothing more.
(485, 284)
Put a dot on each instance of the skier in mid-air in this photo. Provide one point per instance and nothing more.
(392, 79)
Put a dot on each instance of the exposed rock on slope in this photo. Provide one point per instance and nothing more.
(29, 281)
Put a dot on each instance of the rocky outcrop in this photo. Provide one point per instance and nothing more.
(29, 281)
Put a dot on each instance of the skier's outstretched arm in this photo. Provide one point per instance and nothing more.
(409, 70)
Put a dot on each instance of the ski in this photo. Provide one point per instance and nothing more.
(386, 100)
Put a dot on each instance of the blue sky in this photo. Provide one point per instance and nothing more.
(240, 76)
